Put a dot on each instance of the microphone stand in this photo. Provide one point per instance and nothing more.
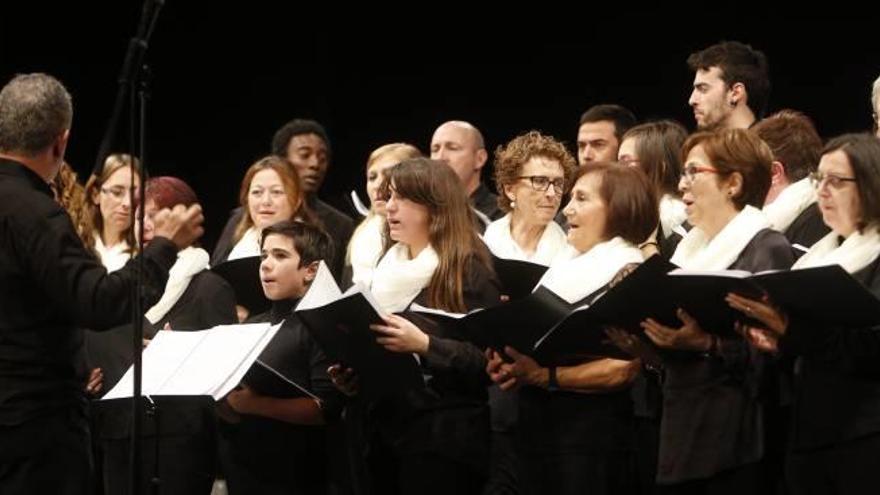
(134, 87)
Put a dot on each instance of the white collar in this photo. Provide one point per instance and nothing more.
(190, 261)
(500, 241)
(697, 252)
(574, 275)
(365, 248)
(790, 203)
(398, 279)
(854, 253)
(114, 257)
(672, 213)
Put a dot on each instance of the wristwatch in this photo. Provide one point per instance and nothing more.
(552, 383)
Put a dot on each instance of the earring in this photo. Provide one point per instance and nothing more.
(733, 103)
(513, 205)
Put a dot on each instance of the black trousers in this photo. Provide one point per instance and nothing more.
(46, 455)
(849, 468)
(428, 474)
(737, 481)
(503, 465)
(577, 473)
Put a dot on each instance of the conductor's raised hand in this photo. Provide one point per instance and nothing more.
(181, 225)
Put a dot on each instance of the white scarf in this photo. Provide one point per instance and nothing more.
(574, 275)
(247, 246)
(397, 280)
(672, 213)
(190, 261)
(790, 203)
(856, 252)
(499, 240)
(697, 252)
(365, 248)
(113, 258)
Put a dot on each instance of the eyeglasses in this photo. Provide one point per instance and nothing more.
(818, 179)
(117, 192)
(541, 183)
(690, 171)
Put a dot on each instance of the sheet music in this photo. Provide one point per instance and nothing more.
(236, 375)
(161, 359)
(219, 354)
(322, 291)
(206, 362)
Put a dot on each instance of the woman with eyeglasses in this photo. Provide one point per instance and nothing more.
(711, 432)
(530, 175)
(835, 438)
(107, 227)
(655, 147)
(194, 298)
(576, 431)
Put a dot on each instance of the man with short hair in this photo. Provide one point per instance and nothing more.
(461, 146)
(272, 448)
(731, 86)
(306, 145)
(51, 287)
(601, 130)
(791, 201)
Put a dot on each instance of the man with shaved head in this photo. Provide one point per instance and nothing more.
(461, 146)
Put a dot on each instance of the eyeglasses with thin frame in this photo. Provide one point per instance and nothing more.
(690, 171)
(116, 192)
(541, 183)
(818, 179)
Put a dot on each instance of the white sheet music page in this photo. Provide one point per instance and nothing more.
(161, 359)
(197, 363)
(221, 388)
(322, 291)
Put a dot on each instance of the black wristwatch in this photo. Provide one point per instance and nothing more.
(552, 383)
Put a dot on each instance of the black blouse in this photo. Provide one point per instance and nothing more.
(711, 411)
(837, 388)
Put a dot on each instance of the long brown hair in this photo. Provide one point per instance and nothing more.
(451, 231)
(292, 188)
(92, 221)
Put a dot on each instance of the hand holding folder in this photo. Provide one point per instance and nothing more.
(340, 323)
(518, 323)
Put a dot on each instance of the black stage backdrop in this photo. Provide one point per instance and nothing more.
(228, 74)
